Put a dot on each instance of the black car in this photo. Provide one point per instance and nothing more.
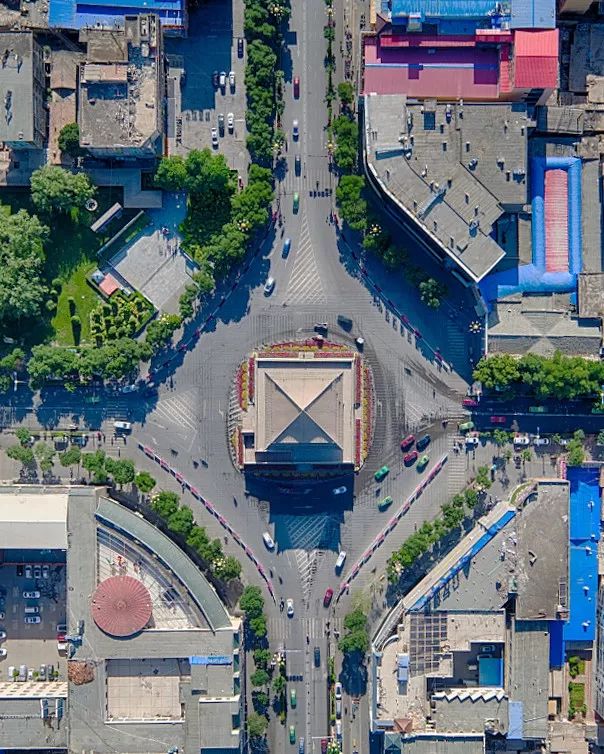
(423, 442)
(297, 164)
(215, 79)
(317, 657)
(20, 570)
(344, 322)
(239, 47)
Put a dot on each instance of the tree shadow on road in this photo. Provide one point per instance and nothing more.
(353, 676)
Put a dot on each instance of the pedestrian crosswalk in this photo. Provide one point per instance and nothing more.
(305, 285)
(307, 180)
(282, 630)
(177, 409)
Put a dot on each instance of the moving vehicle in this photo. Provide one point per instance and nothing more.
(297, 164)
(222, 80)
(407, 442)
(32, 619)
(124, 426)
(292, 734)
(360, 342)
(287, 244)
(498, 419)
(129, 389)
(232, 80)
(466, 426)
(268, 540)
(327, 597)
(301, 746)
(230, 122)
(338, 709)
(341, 559)
(317, 657)
(33, 595)
(423, 462)
(385, 503)
(426, 440)
(472, 440)
(269, 286)
(338, 690)
(296, 86)
(344, 322)
(290, 608)
(469, 403)
(239, 47)
(381, 473)
(410, 458)
(540, 441)
(339, 490)
(295, 130)
(293, 698)
(296, 204)
(521, 440)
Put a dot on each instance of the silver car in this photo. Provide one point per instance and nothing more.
(269, 286)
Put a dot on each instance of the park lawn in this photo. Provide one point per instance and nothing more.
(86, 299)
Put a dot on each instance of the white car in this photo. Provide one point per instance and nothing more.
(129, 389)
(338, 690)
(33, 595)
(268, 540)
(540, 441)
(295, 130)
(522, 440)
(2, 635)
(37, 572)
(341, 559)
(290, 608)
(45, 572)
(32, 619)
(269, 286)
(230, 122)
(222, 80)
(3, 652)
(28, 572)
(339, 490)
(232, 80)
(215, 138)
(125, 426)
(472, 440)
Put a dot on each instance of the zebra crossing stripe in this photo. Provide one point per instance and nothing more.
(305, 284)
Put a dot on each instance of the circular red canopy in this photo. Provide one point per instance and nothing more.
(121, 606)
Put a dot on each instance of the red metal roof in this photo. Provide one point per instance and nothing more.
(425, 40)
(536, 43)
(121, 606)
(536, 59)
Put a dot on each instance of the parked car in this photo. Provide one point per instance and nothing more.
(221, 124)
(344, 322)
(385, 503)
(381, 473)
(472, 439)
(317, 657)
(339, 490)
(37, 572)
(290, 608)
(31, 595)
(521, 439)
(232, 80)
(31, 609)
(287, 245)
(498, 419)
(45, 572)
(2, 615)
(423, 462)
(338, 690)
(327, 597)
(20, 569)
(341, 559)
(292, 734)
(214, 134)
(123, 426)
(215, 80)
(269, 286)
(296, 203)
(32, 619)
(295, 130)
(42, 673)
(239, 47)
(424, 442)
(2, 635)
(22, 672)
(407, 442)
(29, 572)
(222, 80)
(268, 540)
(11, 672)
(230, 122)
(296, 86)
(410, 458)
(540, 441)
(469, 403)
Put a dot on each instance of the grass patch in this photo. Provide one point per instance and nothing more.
(576, 692)
(86, 299)
(576, 666)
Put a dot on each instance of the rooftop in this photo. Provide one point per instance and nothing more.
(33, 518)
(16, 85)
(529, 678)
(454, 169)
(591, 294)
(120, 103)
(79, 14)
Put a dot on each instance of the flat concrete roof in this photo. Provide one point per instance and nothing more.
(453, 169)
(529, 678)
(33, 518)
(16, 76)
(23, 727)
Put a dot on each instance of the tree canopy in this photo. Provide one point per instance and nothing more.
(355, 637)
(69, 140)
(54, 189)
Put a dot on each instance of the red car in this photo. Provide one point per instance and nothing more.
(469, 403)
(407, 442)
(327, 598)
(498, 419)
(296, 87)
(410, 458)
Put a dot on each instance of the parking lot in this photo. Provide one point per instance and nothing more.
(210, 46)
(33, 605)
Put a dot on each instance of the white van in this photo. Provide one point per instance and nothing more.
(340, 560)
(123, 426)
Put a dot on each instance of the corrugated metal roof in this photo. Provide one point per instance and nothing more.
(533, 14)
(537, 43)
(444, 8)
(535, 73)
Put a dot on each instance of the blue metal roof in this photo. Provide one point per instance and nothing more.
(76, 14)
(584, 504)
(556, 643)
(443, 8)
(533, 14)
(515, 721)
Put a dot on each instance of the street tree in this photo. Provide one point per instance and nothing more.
(256, 725)
(526, 455)
(345, 93)
(122, 470)
(228, 568)
(70, 457)
(10, 364)
(144, 482)
(23, 435)
(600, 438)
(432, 292)
(252, 602)
(94, 463)
(69, 140)
(350, 201)
(258, 626)
(575, 452)
(279, 684)
(22, 289)
(51, 361)
(161, 330)
(54, 189)
(262, 657)
(198, 538)
(171, 173)
(259, 678)
(500, 437)
(18, 453)
(483, 478)
(165, 503)
(181, 521)
(45, 454)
